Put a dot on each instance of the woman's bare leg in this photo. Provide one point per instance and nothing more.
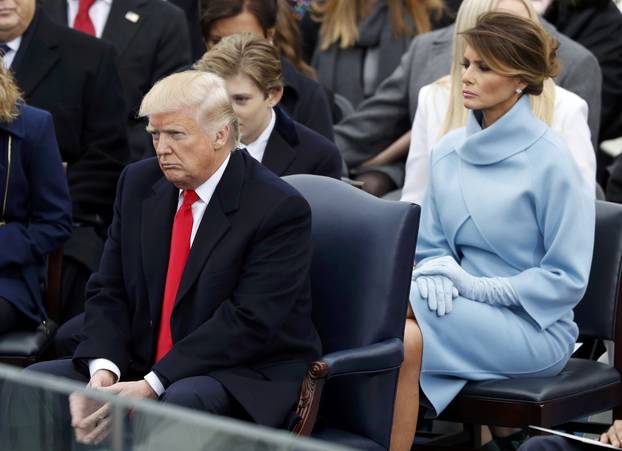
(407, 397)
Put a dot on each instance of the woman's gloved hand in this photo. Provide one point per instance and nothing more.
(439, 292)
(492, 290)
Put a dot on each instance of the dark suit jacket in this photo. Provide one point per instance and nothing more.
(154, 46)
(243, 309)
(38, 210)
(305, 101)
(295, 149)
(75, 77)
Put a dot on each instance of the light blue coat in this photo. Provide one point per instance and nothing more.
(505, 201)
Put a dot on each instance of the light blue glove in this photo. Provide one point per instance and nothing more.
(439, 292)
(492, 290)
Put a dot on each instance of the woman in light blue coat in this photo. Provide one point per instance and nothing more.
(506, 235)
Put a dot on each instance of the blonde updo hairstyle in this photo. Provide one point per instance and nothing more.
(515, 47)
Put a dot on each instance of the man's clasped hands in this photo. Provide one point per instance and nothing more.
(91, 418)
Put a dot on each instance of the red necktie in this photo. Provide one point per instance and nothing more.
(180, 248)
(83, 21)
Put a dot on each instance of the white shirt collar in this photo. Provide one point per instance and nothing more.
(205, 191)
(257, 148)
(14, 44)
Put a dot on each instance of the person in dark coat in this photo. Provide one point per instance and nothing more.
(35, 208)
(75, 78)
(251, 69)
(203, 295)
(151, 40)
(597, 25)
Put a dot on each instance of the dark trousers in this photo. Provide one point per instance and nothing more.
(33, 417)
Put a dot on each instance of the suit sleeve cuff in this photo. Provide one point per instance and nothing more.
(154, 382)
(103, 364)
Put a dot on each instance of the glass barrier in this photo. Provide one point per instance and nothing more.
(34, 415)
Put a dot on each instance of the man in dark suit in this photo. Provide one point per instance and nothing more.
(151, 40)
(74, 77)
(203, 296)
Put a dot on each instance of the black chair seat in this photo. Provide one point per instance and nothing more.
(26, 344)
(579, 376)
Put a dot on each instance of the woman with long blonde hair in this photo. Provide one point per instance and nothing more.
(35, 208)
(361, 41)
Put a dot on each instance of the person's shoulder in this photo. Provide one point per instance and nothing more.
(261, 183)
(310, 139)
(295, 79)
(569, 103)
(163, 11)
(31, 115)
(146, 171)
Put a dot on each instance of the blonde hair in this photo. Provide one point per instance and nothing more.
(248, 54)
(468, 14)
(192, 89)
(340, 18)
(10, 96)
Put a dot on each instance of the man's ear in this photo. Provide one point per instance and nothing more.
(222, 137)
(275, 96)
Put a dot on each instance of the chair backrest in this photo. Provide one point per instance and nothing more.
(360, 277)
(597, 313)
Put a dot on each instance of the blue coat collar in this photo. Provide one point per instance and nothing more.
(16, 127)
(518, 128)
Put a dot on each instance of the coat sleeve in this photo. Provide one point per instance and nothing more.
(273, 277)
(50, 220)
(583, 77)
(379, 120)
(418, 161)
(107, 318)
(431, 240)
(565, 211)
(574, 129)
(93, 177)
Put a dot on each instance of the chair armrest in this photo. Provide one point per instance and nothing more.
(378, 357)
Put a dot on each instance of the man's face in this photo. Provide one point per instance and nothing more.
(188, 155)
(15, 16)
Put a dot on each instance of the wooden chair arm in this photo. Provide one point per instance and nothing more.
(310, 396)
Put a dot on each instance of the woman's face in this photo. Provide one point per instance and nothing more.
(251, 105)
(485, 90)
(244, 22)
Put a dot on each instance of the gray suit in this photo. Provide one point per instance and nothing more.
(387, 115)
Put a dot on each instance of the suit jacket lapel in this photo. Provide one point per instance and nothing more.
(279, 152)
(119, 30)
(158, 212)
(215, 223)
(41, 56)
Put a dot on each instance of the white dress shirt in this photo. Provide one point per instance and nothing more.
(98, 13)
(257, 148)
(569, 122)
(205, 192)
(9, 56)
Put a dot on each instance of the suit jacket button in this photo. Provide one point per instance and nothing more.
(150, 324)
